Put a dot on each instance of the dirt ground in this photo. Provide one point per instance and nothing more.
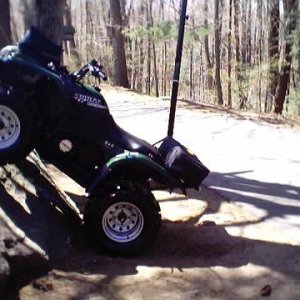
(208, 248)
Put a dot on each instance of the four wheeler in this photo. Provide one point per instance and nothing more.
(45, 107)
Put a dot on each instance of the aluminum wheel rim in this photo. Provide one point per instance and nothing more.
(10, 127)
(122, 222)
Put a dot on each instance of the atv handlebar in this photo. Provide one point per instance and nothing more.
(97, 70)
(93, 68)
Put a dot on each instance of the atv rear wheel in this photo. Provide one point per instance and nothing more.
(123, 222)
(16, 130)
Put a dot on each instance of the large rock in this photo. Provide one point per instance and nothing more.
(36, 220)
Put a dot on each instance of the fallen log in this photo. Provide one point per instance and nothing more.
(38, 221)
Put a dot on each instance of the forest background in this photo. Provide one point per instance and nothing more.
(242, 54)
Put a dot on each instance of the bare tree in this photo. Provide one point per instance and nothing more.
(290, 13)
(217, 24)
(120, 67)
(273, 45)
(239, 65)
(209, 78)
(148, 77)
(155, 69)
(229, 100)
(73, 51)
(50, 18)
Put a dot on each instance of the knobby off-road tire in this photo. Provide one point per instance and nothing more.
(16, 130)
(123, 222)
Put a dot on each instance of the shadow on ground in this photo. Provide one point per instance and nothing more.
(276, 200)
(181, 246)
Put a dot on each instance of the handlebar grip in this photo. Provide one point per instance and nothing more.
(93, 67)
(102, 75)
(81, 73)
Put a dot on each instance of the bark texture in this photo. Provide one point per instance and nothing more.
(217, 53)
(50, 18)
(291, 13)
(120, 67)
(273, 45)
(209, 78)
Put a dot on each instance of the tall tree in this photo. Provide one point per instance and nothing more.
(259, 49)
(140, 71)
(217, 24)
(290, 15)
(229, 100)
(50, 18)
(243, 29)
(73, 52)
(155, 71)
(238, 70)
(273, 47)
(209, 78)
(164, 67)
(249, 33)
(5, 31)
(120, 67)
(148, 77)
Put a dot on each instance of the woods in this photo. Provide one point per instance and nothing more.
(243, 54)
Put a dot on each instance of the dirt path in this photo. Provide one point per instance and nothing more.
(208, 248)
(235, 258)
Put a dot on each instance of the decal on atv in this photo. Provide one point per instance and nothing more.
(89, 100)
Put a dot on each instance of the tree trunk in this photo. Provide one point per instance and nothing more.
(50, 18)
(217, 53)
(165, 69)
(209, 78)
(140, 73)
(191, 81)
(148, 79)
(238, 70)
(155, 70)
(229, 100)
(120, 67)
(154, 52)
(249, 37)
(29, 14)
(164, 66)
(273, 45)
(259, 52)
(90, 32)
(5, 31)
(72, 46)
(243, 29)
(290, 13)
(134, 64)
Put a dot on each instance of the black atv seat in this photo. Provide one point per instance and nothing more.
(130, 142)
(38, 47)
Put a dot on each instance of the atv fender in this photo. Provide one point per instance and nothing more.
(133, 166)
(33, 66)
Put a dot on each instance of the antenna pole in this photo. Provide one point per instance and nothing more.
(175, 84)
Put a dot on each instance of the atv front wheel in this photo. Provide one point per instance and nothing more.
(124, 222)
(16, 130)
